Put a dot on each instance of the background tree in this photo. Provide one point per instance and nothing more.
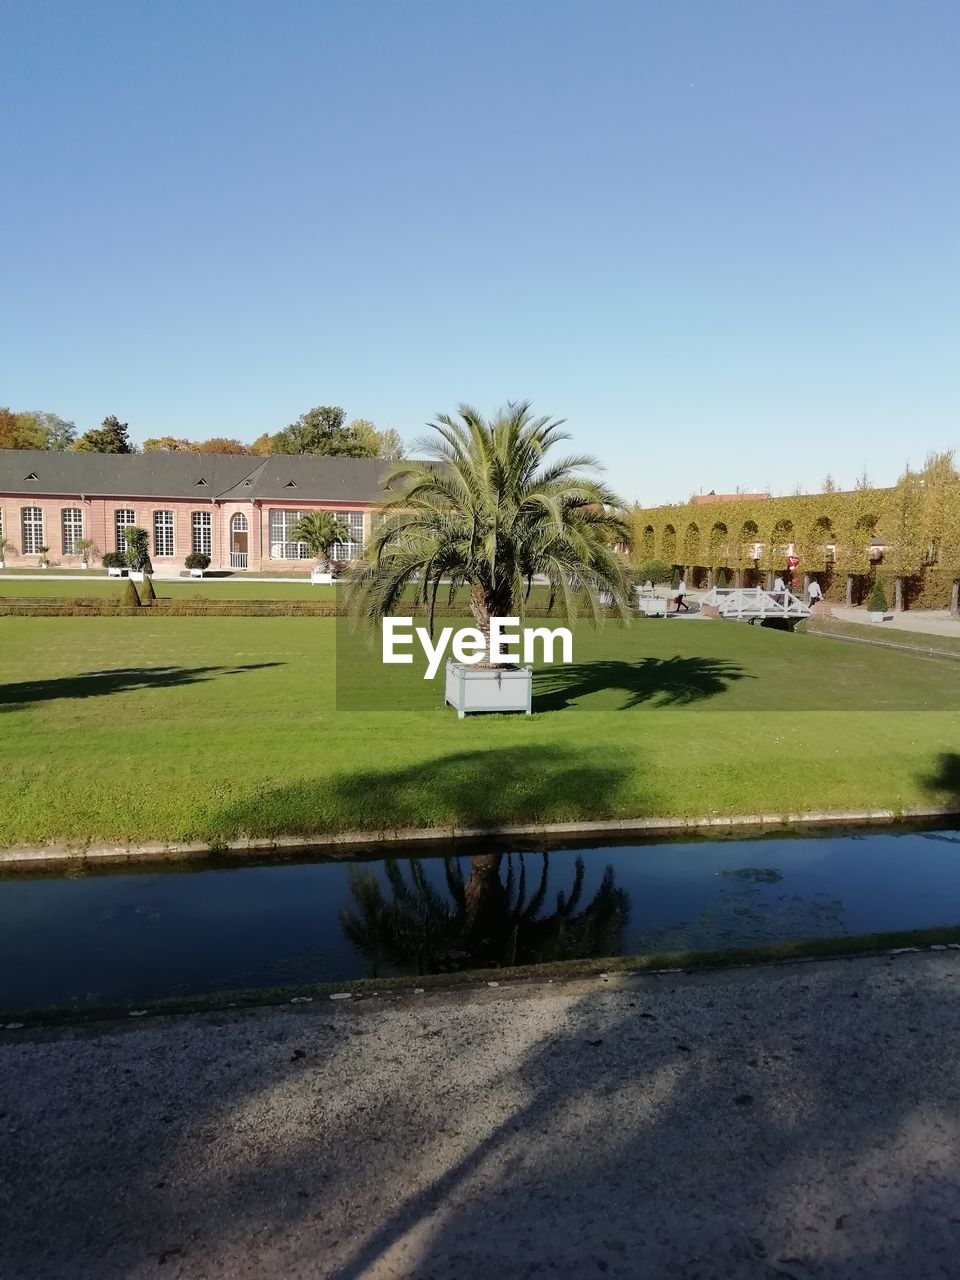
(319, 430)
(320, 530)
(828, 484)
(57, 433)
(488, 512)
(221, 444)
(110, 437)
(20, 431)
(166, 444)
(386, 444)
(262, 446)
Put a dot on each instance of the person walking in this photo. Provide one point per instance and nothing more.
(814, 592)
(779, 588)
(678, 598)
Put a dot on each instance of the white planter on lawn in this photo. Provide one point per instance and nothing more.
(136, 575)
(322, 577)
(196, 573)
(488, 689)
(878, 617)
(3, 564)
(116, 571)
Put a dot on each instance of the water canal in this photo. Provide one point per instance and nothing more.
(101, 938)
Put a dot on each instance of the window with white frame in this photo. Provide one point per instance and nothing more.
(123, 518)
(163, 533)
(282, 547)
(239, 523)
(349, 550)
(31, 520)
(71, 520)
(202, 533)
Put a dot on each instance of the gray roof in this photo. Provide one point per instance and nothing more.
(190, 475)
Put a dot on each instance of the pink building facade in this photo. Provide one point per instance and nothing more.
(239, 511)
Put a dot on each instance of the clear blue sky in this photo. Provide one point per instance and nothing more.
(722, 239)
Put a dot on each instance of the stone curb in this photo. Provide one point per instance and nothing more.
(54, 855)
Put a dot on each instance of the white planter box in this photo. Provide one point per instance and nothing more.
(116, 572)
(484, 689)
(878, 617)
(652, 606)
(319, 576)
(136, 575)
(3, 564)
(197, 573)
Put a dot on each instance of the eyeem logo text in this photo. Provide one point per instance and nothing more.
(508, 640)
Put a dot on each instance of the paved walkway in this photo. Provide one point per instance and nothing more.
(797, 1122)
(931, 622)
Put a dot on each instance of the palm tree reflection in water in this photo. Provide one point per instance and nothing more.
(487, 920)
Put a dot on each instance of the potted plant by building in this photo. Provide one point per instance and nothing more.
(320, 530)
(196, 562)
(115, 563)
(5, 546)
(485, 511)
(138, 552)
(877, 602)
(44, 562)
(86, 551)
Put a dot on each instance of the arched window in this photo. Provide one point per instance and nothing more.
(239, 523)
(71, 520)
(123, 518)
(31, 519)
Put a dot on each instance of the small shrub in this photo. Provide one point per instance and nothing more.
(675, 578)
(197, 560)
(655, 571)
(722, 579)
(130, 598)
(148, 596)
(877, 601)
(114, 560)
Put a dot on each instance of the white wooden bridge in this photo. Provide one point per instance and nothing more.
(752, 604)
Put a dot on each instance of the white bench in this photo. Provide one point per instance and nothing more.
(118, 571)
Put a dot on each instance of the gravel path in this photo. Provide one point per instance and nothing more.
(784, 1122)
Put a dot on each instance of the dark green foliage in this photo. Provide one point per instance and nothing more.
(877, 602)
(675, 578)
(722, 579)
(130, 597)
(197, 560)
(321, 430)
(114, 560)
(110, 437)
(138, 549)
(655, 571)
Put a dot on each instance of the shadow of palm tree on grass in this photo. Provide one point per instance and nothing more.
(658, 681)
(464, 789)
(944, 781)
(93, 684)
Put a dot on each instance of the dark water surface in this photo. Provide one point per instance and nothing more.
(128, 936)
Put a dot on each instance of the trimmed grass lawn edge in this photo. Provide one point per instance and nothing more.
(343, 843)
(476, 981)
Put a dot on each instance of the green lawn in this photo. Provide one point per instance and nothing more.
(180, 728)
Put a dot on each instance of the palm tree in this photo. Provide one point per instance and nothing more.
(320, 530)
(485, 511)
(486, 920)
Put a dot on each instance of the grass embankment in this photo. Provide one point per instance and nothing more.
(115, 729)
(877, 634)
